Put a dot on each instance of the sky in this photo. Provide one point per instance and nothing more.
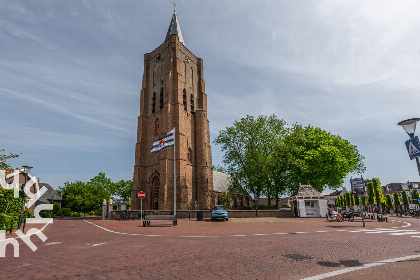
(71, 71)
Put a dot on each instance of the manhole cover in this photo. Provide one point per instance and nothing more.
(297, 257)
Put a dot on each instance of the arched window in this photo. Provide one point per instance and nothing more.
(153, 103)
(161, 98)
(192, 104)
(184, 99)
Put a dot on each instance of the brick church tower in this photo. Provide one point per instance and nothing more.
(173, 95)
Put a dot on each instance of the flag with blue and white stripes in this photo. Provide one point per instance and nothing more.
(166, 141)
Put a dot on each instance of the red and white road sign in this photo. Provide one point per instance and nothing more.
(141, 195)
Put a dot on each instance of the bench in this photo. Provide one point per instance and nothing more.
(148, 218)
(331, 217)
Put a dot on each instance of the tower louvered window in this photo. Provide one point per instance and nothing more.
(161, 99)
(154, 103)
(192, 104)
(184, 99)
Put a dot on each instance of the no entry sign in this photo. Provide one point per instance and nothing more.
(141, 195)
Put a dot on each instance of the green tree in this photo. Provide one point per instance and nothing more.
(352, 199)
(321, 158)
(226, 197)
(357, 200)
(415, 197)
(405, 201)
(218, 168)
(86, 197)
(397, 201)
(370, 193)
(124, 190)
(364, 202)
(379, 197)
(10, 208)
(4, 158)
(252, 152)
(388, 202)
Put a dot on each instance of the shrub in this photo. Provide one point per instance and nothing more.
(75, 214)
(66, 212)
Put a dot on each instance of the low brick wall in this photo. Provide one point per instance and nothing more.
(206, 213)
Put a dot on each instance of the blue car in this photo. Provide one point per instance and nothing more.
(219, 212)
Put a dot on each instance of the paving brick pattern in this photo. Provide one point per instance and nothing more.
(238, 249)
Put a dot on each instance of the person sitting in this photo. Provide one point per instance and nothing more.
(331, 213)
(339, 217)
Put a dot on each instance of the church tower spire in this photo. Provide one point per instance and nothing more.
(175, 29)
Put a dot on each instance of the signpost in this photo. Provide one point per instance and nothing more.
(358, 188)
(141, 195)
(256, 202)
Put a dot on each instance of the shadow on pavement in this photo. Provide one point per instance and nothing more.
(346, 263)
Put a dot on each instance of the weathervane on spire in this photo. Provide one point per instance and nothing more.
(174, 7)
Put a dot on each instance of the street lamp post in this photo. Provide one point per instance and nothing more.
(410, 127)
(26, 170)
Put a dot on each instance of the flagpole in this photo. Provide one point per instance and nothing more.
(174, 176)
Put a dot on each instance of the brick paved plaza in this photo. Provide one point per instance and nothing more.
(262, 248)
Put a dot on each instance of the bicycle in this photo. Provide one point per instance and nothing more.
(349, 216)
(125, 215)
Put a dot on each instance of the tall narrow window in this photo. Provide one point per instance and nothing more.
(184, 99)
(155, 189)
(157, 127)
(161, 99)
(153, 102)
(192, 104)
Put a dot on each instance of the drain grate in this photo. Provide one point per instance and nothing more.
(297, 257)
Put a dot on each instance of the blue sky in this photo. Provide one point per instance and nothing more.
(70, 76)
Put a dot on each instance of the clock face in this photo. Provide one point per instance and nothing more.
(158, 58)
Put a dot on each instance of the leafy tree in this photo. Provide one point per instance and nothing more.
(252, 154)
(397, 201)
(357, 200)
(379, 197)
(266, 158)
(388, 202)
(124, 190)
(370, 193)
(219, 168)
(342, 201)
(86, 197)
(321, 158)
(415, 197)
(10, 208)
(364, 202)
(4, 158)
(404, 199)
(226, 197)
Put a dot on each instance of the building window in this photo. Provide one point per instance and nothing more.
(192, 104)
(157, 127)
(161, 99)
(153, 102)
(309, 204)
(190, 157)
(184, 100)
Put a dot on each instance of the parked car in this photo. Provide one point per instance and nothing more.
(219, 212)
